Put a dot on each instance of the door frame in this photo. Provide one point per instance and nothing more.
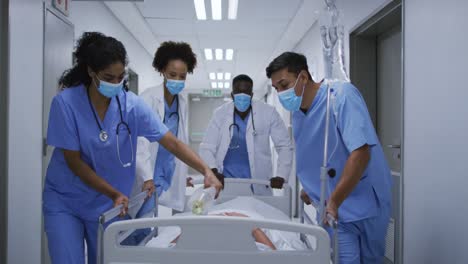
(59, 15)
(363, 73)
(4, 104)
(47, 7)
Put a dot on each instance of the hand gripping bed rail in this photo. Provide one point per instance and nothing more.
(113, 213)
(332, 222)
(213, 239)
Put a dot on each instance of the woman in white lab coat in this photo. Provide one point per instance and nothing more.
(155, 167)
(237, 141)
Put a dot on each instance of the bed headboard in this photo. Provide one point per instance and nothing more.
(213, 239)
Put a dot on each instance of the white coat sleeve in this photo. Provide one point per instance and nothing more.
(280, 136)
(144, 164)
(144, 161)
(209, 145)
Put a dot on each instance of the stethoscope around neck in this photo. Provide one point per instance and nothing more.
(176, 114)
(104, 136)
(235, 143)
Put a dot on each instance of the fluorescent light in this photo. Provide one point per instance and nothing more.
(208, 54)
(227, 85)
(214, 85)
(212, 76)
(229, 54)
(219, 75)
(196, 99)
(220, 85)
(200, 9)
(216, 9)
(227, 76)
(232, 13)
(219, 54)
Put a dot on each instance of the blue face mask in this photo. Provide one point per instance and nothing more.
(175, 86)
(289, 99)
(242, 102)
(108, 89)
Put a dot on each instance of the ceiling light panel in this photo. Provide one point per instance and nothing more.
(216, 9)
(208, 54)
(229, 54)
(232, 11)
(200, 9)
(219, 54)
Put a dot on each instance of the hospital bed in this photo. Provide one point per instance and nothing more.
(213, 239)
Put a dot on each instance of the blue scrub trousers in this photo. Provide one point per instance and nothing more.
(363, 241)
(67, 232)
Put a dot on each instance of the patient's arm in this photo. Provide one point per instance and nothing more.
(257, 233)
(175, 239)
(261, 237)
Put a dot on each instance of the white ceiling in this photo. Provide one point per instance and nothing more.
(263, 29)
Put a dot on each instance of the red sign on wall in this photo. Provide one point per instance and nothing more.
(62, 5)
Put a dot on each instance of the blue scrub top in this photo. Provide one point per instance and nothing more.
(72, 126)
(236, 162)
(350, 129)
(165, 161)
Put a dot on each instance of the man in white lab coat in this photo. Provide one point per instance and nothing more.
(237, 141)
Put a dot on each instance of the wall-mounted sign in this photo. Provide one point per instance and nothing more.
(62, 5)
(213, 92)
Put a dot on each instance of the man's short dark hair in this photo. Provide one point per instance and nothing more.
(292, 61)
(242, 77)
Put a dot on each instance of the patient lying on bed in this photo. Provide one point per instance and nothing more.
(259, 236)
(242, 207)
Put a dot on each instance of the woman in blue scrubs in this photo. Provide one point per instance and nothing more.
(93, 125)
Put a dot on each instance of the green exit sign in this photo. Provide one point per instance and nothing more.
(213, 92)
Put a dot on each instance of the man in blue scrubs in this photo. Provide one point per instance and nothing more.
(359, 196)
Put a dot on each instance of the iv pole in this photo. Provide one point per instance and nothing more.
(325, 172)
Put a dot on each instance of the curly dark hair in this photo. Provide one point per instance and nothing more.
(170, 50)
(94, 50)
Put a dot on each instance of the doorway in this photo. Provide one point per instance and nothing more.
(201, 111)
(376, 69)
(132, 81)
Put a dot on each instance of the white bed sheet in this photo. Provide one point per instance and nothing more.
(245, 205)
